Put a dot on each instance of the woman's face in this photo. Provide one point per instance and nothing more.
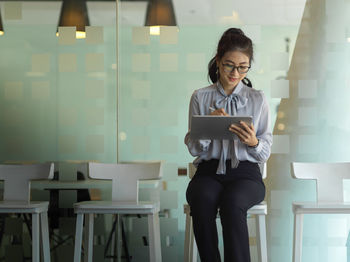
(229, 65)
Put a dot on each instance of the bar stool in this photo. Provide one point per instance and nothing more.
(17, 200)
(260, 212)
(329, 182)
(125, 179)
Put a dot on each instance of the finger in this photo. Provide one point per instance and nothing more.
(250, 130)
(216, 113)
(243, 132)
(238, 133)
(222, 111)
(247, 128)
(233, 130)
(252, 127)
(243, 139)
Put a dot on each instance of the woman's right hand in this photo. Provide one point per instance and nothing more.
(219, 112)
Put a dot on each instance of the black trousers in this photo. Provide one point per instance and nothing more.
(233, 193)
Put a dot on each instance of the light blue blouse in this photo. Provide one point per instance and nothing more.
(244, 101)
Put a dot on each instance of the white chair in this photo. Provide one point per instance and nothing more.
(329, 184)
(125, 179)
(260, 212)
(16, 199)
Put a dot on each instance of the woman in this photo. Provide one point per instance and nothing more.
(228, 176)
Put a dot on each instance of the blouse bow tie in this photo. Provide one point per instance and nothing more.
(231, 104)
(233, 101)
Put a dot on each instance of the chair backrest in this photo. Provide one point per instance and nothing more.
(125, 177)
(329, 178)
(263, 170)
(192, 170)
(71, 170)
(17, 179)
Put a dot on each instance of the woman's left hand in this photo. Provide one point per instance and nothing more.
(245, 133)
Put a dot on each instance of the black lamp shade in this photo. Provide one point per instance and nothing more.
(160, 13)
(74, 13)
(1, 27)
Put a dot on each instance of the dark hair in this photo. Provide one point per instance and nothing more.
(233, 39)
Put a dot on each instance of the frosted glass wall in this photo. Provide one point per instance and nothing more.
(58, 101)
(312, 125)
(57, 94)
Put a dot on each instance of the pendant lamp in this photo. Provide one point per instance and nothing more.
(1, 27)
(74, 13)
(159, 13)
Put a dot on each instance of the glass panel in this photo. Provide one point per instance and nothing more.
(58, 94)
(58, 101)
(58, 97)
(312, 118)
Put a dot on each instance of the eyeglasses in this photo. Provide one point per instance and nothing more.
(228, 68)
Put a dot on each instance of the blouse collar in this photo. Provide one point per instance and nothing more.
(237, 89)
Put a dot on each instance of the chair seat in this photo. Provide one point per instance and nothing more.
(321, 207)
(116, 207)
(259, 209)
(23, 206)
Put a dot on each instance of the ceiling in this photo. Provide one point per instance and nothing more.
(188, 12)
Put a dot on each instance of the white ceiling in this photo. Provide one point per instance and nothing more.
(188, 12)
(249, 12)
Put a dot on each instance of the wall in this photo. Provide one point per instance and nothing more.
(58, 101)
(57, 95)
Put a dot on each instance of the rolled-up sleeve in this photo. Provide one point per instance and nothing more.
(195, 147)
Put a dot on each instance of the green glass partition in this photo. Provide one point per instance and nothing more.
(122, 94)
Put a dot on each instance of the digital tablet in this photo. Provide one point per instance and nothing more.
(215, 127)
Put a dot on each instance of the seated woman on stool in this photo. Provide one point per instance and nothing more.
(228, 175)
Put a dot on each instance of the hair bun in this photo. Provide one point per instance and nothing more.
(235, 31)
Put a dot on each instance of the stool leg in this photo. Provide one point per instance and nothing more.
(187, 251)
(193, 245)
(298, 237)
(154, 238)
(35, 238)
(261, 237)
(111, 241)
(89, 237)
(118, 237)
(45, 236)
(191, 251)
(78, 237)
